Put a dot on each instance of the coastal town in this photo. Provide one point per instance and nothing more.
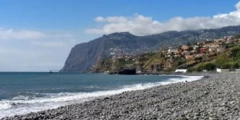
(191, 52)
(184, 58)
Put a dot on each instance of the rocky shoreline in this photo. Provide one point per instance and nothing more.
(214, 97)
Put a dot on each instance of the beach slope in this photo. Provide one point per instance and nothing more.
(214, 97)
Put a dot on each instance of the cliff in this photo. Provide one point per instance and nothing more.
(85, 55)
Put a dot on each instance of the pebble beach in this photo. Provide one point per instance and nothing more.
(214, 97)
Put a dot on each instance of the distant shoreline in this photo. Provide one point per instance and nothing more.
(205, 74)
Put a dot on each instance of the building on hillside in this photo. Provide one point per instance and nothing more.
(219, 40)
(177, 55)
(112, 53)
(220, 49)
(181, 71)
(211, 45)
(199, 55)
(185, 53)
(228, 37)
(229, 41)
(195, 47)
(193, 51)
(222, 70)
(172, 51)
(180, 51)
(185, 47)
(189, 57)
(218, 70)
(203, 50)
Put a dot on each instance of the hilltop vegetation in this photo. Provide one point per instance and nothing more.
(208, 55)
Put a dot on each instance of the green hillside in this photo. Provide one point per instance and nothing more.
(221, 53)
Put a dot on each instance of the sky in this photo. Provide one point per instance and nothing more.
(37, 35)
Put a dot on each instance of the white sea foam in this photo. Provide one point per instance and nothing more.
(23, 105)
(4, 105)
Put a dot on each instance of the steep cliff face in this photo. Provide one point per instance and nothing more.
(85, 55)
(82, 56)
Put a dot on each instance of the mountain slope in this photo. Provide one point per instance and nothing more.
(221, 53)
(85, 55)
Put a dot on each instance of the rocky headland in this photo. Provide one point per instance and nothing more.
(86, 55)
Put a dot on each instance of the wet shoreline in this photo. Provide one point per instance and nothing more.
(216, 96)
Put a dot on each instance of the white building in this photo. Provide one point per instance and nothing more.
(181, 70)
(219, 70)
(172, 51)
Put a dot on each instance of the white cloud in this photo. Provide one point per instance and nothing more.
(50, 44)
(99, 19)
(32, 59)
(55, 43)
(6, 34)
(142, 25)
(237, 6)
(10, 34)
(27, 50)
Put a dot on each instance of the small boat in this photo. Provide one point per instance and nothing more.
(50, 71)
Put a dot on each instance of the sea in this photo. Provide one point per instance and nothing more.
(26, 92)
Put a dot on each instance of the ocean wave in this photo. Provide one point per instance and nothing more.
(26, 104)
(4, 105)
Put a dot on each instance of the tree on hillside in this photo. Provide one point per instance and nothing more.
(209, 66)
(235, 66)
(237, 36)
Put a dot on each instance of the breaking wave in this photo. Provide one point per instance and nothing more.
(26, 104)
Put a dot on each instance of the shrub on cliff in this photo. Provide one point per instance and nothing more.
(209, 66)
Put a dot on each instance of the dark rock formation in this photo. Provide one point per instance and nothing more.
(127, 72)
